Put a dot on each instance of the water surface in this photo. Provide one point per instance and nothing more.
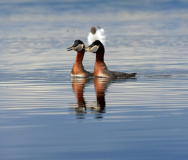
(46, 114)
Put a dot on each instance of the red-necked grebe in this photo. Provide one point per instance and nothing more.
(101, 69)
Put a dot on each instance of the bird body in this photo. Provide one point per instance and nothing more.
(101, 69)
(96, 34)
(78, 68)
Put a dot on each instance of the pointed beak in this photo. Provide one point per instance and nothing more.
(70, 48)
(87, 49)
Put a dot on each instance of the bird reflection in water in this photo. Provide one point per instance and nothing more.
(98, 108)
(78, 85)
(101, 85)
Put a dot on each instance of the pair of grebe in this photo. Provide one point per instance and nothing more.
(100, 69)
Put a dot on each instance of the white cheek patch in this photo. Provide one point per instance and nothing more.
(94, 49)
(79, 47)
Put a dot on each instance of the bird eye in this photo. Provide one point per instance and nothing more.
(94, 49)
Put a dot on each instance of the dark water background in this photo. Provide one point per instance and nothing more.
(44, 114)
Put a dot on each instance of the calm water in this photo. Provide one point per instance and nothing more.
(44, 114)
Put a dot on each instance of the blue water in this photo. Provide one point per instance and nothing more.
(46, 114)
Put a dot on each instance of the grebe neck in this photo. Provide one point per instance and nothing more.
(79, 57)
(100, 54)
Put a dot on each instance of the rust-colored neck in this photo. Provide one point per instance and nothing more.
(78, 67)
(79, 57)
(99, 63)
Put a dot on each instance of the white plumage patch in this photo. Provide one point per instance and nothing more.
(77, 75)
(102, 75)
(99, 35)
(94, 48)
(79, 47)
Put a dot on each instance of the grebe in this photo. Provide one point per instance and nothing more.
(96, 34)
(78, 68)
(101, 69)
